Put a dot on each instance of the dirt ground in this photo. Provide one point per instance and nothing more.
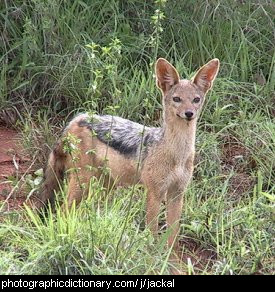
(13, 165)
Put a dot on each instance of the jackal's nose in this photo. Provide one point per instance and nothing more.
(189, 114)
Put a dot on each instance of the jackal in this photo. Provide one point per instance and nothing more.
(159, 158)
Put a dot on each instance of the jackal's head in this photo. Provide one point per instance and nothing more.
(183, 99)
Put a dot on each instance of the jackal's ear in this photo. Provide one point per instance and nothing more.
(206, 75)
(166, 75)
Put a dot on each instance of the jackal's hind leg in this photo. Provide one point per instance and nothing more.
(78, 187)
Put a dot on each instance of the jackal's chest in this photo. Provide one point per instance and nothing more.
(177, 178)
(168, 174)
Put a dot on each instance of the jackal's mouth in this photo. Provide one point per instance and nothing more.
(186, 118)
(189, 119)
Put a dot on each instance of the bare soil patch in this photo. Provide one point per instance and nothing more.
(200, 256)
(237, 157)
(13, 164)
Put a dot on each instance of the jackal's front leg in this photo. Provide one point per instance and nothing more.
(174, 211)
(152, 211)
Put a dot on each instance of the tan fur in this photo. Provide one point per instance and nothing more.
(53, 175)
(168, 167)
(103, 156)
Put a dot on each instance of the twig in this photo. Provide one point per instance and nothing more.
(14, 188)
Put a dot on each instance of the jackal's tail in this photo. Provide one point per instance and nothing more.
(53, 176)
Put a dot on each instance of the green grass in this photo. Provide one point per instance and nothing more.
(58, 58)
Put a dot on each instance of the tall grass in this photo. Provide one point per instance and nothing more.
(62, 57)
(45, 43)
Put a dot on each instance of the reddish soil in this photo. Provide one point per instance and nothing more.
(199, 256)
(237, 157)
(13, 164)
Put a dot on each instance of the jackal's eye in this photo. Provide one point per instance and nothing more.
(176, 99)
(196, 99)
